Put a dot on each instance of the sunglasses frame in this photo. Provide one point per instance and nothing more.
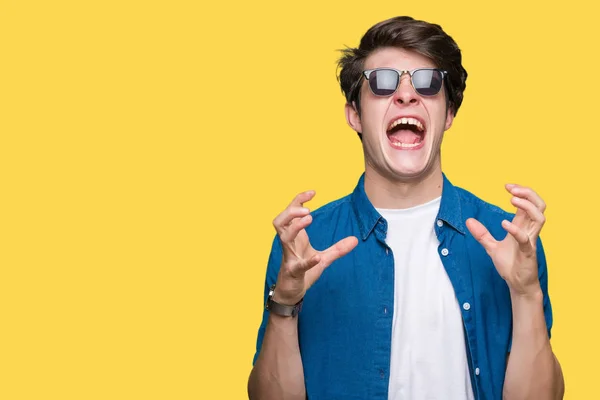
(367, 74)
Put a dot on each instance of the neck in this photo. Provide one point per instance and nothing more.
(384, 192)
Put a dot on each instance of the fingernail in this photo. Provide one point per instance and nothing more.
(305, 210)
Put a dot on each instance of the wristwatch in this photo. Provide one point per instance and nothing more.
(281, 309)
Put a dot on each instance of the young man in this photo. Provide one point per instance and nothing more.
(414, 296)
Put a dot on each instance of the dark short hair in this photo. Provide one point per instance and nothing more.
(406, 33)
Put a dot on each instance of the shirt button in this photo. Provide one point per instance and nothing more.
(466, 306)
(440, 223)
(382, 373)
(385, 310)
(444, 252)
(476, 371)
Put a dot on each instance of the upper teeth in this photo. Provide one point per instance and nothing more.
(407, 121)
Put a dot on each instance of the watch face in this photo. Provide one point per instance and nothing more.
(271, 291)
(279, 308)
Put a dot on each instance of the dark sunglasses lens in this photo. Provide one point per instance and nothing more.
(427, 81)
(383, 82)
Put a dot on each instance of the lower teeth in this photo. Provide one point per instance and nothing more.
(407, 145)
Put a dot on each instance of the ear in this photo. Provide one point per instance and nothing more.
(449, 118)
(352, 117)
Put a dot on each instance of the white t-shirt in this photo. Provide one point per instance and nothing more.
(429, 359)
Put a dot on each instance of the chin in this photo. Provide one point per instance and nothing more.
(408, 175)
(409, 164)
(406, 169)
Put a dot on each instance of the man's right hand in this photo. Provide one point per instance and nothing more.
(301, 264)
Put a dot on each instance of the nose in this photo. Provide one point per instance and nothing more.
(406, 93)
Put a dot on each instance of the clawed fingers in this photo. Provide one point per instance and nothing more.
(519, 235)
(289, 233)
(534, 214)
(294, 210)
(322, 260)
(528, 194)
(285, 219)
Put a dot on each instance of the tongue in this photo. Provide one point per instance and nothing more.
(406, 136)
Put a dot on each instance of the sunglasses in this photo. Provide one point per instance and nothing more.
(385, 81)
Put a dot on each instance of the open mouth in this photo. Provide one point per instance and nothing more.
(406, 133)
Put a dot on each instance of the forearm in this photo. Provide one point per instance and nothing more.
(278, 372)
(533, 371)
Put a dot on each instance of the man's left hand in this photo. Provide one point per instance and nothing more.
(515, 256)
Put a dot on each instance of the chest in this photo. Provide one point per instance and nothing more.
(347, 320)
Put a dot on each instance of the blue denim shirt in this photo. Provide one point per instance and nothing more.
(345, 325)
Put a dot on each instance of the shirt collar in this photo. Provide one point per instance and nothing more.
(368, 217)
(450, 207)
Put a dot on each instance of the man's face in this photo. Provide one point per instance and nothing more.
(405, 151)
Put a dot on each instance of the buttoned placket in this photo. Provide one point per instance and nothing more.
(386, 267)
(445, 256)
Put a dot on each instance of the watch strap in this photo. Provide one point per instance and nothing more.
(282, 309)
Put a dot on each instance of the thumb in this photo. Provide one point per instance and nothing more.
(338, 250)
(481, 234)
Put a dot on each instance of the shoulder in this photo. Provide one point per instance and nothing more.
(474, 206)
(331, 222)
(338, 206)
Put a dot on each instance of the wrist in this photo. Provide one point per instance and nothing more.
(527, 304)
(529, 325)
(285, 292)
(282, 307)
(532, 294)
(283, 300)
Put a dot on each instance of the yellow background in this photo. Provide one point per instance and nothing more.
(146, 146)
